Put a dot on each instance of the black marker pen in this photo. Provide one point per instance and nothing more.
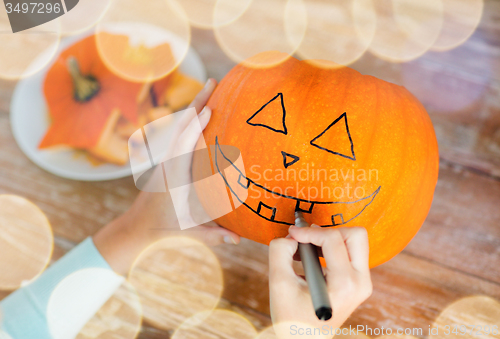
(314, 275)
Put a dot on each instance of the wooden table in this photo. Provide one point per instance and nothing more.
(455, 254)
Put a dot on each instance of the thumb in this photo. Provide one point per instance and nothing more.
(281, 253)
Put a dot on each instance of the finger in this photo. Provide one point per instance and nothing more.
(211, 223)
(296, 256)
(189, 137)
(188, 126)
(185, 119)
(204, 117)
(228, 236)
(281, 251)
(202, 97)
(331, 243)
(356, 240)
(216, 235)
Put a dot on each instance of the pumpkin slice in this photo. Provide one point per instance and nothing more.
(81, 93)
(159, 112)
(125, 128)
(159, 88)
(145, 102)
(181, 91)
(111, 147)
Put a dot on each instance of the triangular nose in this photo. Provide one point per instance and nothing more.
(289, 159)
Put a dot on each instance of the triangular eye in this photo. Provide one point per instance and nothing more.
(336, 139)
(271, 115)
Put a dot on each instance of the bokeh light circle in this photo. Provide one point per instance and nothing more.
(143, 42)
(277, 25)
(214, 325)
(26, 241)
(26, 52)
(83, 16)
(176, 278)
(4, 335)
(406, 29)
(450, 81)
(76, 299)
(480, 313)
(119, 318)
(201, 13)
(337, 31)
(226, 11)
(460, 20)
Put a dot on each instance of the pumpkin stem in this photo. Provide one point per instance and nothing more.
(85, 86)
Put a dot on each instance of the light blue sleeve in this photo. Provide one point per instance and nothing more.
(24, 312)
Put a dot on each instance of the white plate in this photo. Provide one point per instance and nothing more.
(29, 122)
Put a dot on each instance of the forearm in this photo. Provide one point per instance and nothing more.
(121, 242)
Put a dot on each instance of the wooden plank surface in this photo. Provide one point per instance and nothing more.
(462, 230)
(454, 255)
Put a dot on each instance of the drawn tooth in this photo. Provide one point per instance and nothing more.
(337, 219)
(304, 206)
(267, 212)
(243, 182)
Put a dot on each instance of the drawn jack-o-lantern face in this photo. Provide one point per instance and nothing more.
(276, 204)
(343, 148)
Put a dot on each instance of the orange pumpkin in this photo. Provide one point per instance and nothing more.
(344, 148)
(81, 95)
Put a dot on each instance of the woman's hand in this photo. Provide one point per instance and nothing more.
(347, 275)
(152, 215)
(155, 211)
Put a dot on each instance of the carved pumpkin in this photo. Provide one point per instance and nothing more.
(82, 94)
(344, 148)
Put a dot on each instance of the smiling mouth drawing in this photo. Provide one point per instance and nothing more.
(241, 185)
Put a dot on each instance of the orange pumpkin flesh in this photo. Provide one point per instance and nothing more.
(297, 118)
(81, 99)
(181, 92)
(111, 147)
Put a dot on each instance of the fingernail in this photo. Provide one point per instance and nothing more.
(207, 83)
(288, 237)
(314, 225)
(203, 111)
(229, 240)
